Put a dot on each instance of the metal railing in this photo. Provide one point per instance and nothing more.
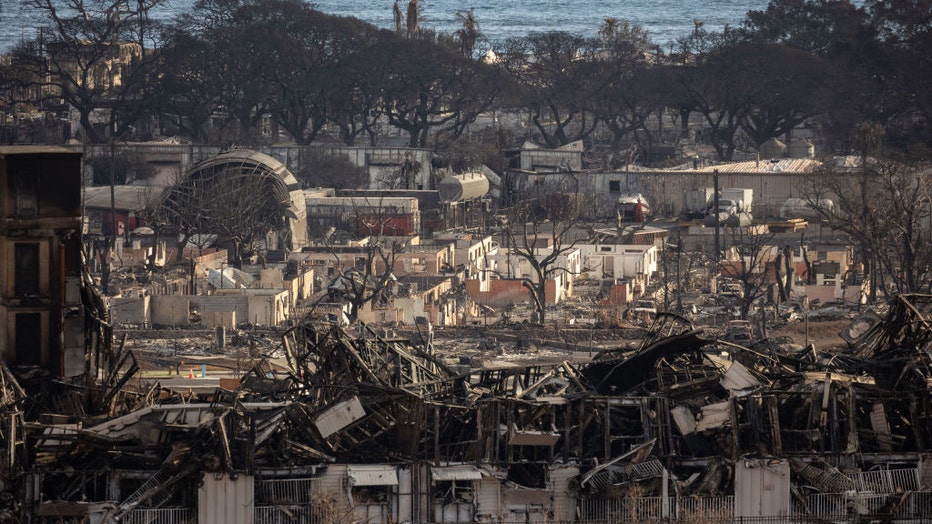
(893, 505)
(716, 506)
(830, 519)
(284, 491)
(652, 508)
(289, 500)
(160, 516)
(898, 506)
(284, 514)
(887, 480)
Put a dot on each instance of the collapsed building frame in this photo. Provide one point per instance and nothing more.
(361, 427)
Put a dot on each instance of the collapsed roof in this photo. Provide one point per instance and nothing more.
(680, 406)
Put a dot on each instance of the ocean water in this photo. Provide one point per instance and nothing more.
(664, 20)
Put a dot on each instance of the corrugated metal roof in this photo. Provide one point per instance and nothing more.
(284, 187)
(460, 472)
(783, 165)
(132, 198)
(372, 475)
(232, 278)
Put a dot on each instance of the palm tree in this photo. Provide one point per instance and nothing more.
(396, 13)
(609, 28)
(469, 34)
(414, 17)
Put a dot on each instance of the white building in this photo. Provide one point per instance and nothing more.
(634, 262)
(506, 265)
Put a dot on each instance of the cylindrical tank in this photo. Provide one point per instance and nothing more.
(468, 186)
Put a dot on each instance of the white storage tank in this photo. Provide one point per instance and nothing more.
(468, 186)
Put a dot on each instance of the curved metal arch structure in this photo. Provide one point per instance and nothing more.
(239, 194)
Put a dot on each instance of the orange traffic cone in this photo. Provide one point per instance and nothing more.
(191, 374)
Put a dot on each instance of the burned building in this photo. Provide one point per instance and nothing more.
(54, 337)
(357, 425)
(44, 291)
(360, 427)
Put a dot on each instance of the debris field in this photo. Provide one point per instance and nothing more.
(681, 416)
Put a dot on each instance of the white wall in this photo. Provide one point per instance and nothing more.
(225, 500)
(564, 503)
(762, 488)
(130, 310)
(620, 260)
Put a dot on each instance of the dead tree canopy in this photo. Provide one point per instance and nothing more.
(886, 206)
(541, 232)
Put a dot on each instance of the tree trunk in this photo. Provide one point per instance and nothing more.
(103, 256)
(745, 305)
(354, 312)
(237, 255)
(90, 134)
(150, 258)
(805, 253)
(183, 241)
(537, 291)
(684, 120)
(540, 304)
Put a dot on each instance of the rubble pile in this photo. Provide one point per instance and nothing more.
(680, 416)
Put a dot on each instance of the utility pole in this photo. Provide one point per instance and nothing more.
(174, 335)
(679, 281)
(806, 311)
(113, 217)
(718, 241)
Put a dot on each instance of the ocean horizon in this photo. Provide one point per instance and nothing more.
(664, 20)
